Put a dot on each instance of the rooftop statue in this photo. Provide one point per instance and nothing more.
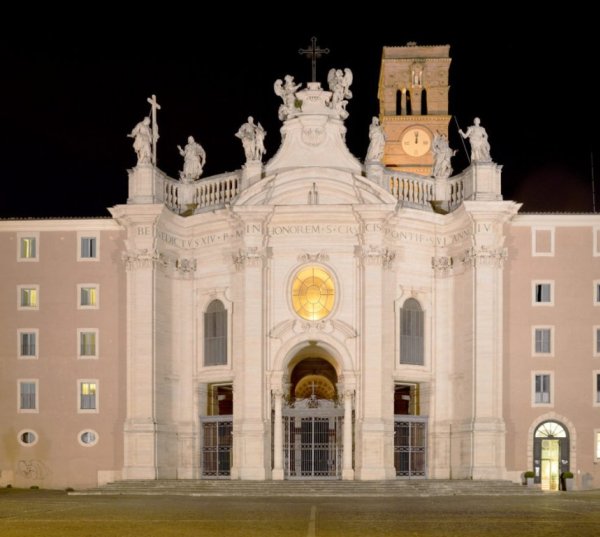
(253, 139)
(339, 84)
(194, 158)
(442, 168)
(287, 92)
(142, 141)
(478, 138)
(377, 144)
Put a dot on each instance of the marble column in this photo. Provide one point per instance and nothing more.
(347, 469)
(278, 436)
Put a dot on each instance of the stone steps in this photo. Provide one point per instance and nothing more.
(310, 488)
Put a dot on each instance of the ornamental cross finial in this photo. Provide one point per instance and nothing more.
(313, 52)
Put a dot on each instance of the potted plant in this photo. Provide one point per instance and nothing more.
(567, 480)
(529, 476)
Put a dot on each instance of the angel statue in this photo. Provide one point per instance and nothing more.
(339, 84)
(287, 92)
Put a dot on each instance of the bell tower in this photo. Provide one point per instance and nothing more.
(413, 104)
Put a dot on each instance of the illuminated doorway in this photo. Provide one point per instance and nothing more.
(550, 454)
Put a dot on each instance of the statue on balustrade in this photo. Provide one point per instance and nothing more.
(478, 138)
(253, 140)
(194, 158)
(142, 141)
(442, 168)
(377, 143)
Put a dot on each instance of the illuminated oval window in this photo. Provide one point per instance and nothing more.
(313, 293)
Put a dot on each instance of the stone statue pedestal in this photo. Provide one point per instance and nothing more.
(485, 179)
(186, 196)
(142, 187)
(374, 171)
(251, 173)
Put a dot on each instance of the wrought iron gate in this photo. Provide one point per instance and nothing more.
(410, 446)
(216, 446)
(313, 440)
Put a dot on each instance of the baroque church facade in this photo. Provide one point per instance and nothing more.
(311, 317)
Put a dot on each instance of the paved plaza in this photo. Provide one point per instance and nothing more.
(30, 513)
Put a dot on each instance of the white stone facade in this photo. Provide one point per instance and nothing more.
(211, 266)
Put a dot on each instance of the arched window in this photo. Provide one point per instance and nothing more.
(398, 102)
(409, 110)
(215, 334)
(412, 333)
(424, 102)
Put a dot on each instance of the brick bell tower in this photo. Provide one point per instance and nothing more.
(413, 104)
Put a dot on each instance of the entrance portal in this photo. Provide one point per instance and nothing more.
(313, 423)
(550, 454)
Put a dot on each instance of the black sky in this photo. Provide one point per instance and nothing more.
(69, 98)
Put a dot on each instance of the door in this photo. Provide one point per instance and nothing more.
(216, 446)
(312, 442)
(410, 446)
(550, 473)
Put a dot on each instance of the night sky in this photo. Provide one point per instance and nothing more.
(69, 99)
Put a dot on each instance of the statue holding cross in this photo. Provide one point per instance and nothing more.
(145, 135)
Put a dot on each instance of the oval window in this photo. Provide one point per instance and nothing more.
(28, 437)
(313, 293)
(88, 437)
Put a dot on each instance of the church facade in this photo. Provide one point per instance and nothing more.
(311, 317)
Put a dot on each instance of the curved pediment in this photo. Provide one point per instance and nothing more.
(314, 186)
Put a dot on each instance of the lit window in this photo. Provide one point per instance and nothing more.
(27, 437)
(215, 334)
(88, 392)
(27, 344)
(313, 293)
(28, 297)
(597, 450)
(88, 438)
(412, 336)
(28, 248)
(28, 395)
(88, 296)
(87, 343)
(542, 389)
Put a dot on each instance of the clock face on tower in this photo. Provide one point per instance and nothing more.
(416, 141)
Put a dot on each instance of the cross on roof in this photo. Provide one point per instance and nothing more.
(314, 52)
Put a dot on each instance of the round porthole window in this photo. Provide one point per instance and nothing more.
(88, 438)
(28, 437)
(313, 293)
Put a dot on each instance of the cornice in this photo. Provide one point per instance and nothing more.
(77, 224)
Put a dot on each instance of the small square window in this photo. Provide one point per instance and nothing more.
(596, 341)
(543, 293)
(27, 343)
(597, 293)
(542, 389)
(543, 343)
(87, 395)
(28, 396)
(89, 246)
(597, 389)
(28, 297)
(28, 250)
(88, 343)
(88, 295)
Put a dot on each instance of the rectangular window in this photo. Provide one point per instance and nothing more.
(88, 296)
(597, 446)
(28, 401)
(28, 296)
(542, 341)
(88, 343)
(597, 390)
(542, 293)
(596, 341)
(28, 248)
(27, 343)
(542, 389)
(88, 246)
(88, 395)
(542, 242)
(597, 293)
(596, 231)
